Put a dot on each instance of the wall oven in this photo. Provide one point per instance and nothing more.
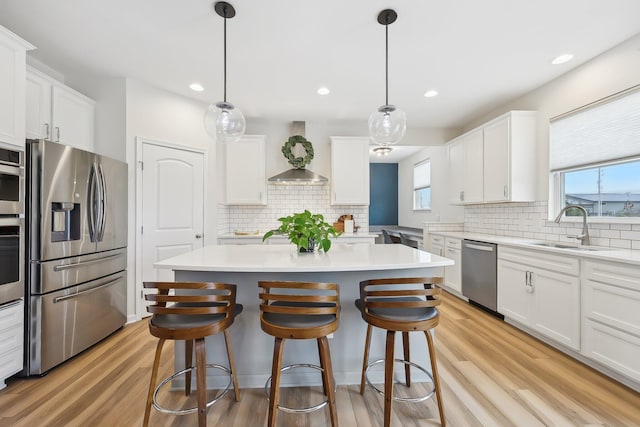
(11, 182)
(12, 250)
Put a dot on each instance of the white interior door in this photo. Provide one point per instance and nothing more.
(172, 206)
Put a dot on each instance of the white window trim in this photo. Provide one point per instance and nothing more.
(413, 192)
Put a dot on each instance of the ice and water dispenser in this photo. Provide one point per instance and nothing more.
(65, 221)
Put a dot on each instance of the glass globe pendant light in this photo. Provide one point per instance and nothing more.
(223, 120)
(388, 124)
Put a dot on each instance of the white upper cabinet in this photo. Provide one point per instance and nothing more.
(349, 170)
(12, 87)
(58, 113)
(466, 168)
(246, 181)
(510, 158)
(495, 162)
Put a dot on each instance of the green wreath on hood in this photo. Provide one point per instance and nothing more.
(298, 162)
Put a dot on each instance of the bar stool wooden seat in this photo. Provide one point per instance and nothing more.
(196, 311)
(398, 305)
(300, 310)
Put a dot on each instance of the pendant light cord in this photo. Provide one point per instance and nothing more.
(386, 65)
(225, 55)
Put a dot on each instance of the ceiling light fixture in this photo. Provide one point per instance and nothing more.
(196, 87)
(323, 90)
(223, 120)
(388, 124)
(561, 59)
(382, 151)
(430, 93)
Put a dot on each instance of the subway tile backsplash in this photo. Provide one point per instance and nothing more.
(285, 200)
(529, 221)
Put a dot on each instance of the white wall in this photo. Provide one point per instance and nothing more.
(441, 210)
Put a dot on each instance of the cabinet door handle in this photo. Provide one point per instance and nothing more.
(46, 131)
(505, 191)
(198, 236)
(57, 134)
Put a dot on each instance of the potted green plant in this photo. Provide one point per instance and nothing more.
(305, 230)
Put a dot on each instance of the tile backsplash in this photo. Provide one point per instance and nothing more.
(529, 221)
(284, 200)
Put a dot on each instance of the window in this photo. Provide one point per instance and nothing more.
(595, 158)
(422, 185)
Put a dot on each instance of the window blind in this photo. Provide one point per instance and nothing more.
(606, 131)
(422, 175)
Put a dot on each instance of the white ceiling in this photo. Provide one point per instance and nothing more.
(477, 54)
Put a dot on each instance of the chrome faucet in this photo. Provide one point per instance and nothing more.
(584, 237)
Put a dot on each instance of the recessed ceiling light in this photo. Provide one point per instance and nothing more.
(323, 90)
(382, 151)
(430, 93)
(196, 86)
(561, 59)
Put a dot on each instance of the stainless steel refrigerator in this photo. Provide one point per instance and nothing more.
(76, 284)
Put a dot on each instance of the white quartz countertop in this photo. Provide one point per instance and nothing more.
(284, 258)
(590, 252)
(281, 236)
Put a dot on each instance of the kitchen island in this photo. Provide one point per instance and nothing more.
(344, 264)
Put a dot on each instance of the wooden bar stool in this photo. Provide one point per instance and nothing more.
(200, 310)
(300, 310)
(397, 305)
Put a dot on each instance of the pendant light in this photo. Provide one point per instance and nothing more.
(223, 120)
(388, 124)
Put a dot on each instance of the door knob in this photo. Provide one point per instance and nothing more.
(198, 236)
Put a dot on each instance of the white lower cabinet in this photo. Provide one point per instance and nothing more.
(611, 316)
(436, 246)
(11, 340)
(453, 273)
(541, 291)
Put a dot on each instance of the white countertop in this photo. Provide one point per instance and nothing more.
(284, 258)
(601, 254)
(281, 236)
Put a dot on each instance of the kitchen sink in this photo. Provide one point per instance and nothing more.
(570, 247)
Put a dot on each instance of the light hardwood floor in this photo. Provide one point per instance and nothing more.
(492, 375)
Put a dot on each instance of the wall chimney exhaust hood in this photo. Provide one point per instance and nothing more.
(298, 175)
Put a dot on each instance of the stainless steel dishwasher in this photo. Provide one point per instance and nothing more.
(479, 273)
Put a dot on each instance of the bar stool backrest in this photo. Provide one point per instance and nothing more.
(404, 239)
(387, 238)
(292, 299)
(378, 295)
(194, 299)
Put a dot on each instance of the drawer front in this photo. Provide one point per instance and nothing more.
(612, 273)
(453, 243)
(612, 305)
(613, 348)
(437, 240)
(10, 362)
(11, 314)
(558, 263)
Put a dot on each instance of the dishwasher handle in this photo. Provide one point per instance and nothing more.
(478, 247)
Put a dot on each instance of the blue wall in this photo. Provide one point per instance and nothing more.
(383, 204)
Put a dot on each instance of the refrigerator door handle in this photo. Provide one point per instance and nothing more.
(88, 291)
(91, 208)
(102, 219)
(84, 263)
